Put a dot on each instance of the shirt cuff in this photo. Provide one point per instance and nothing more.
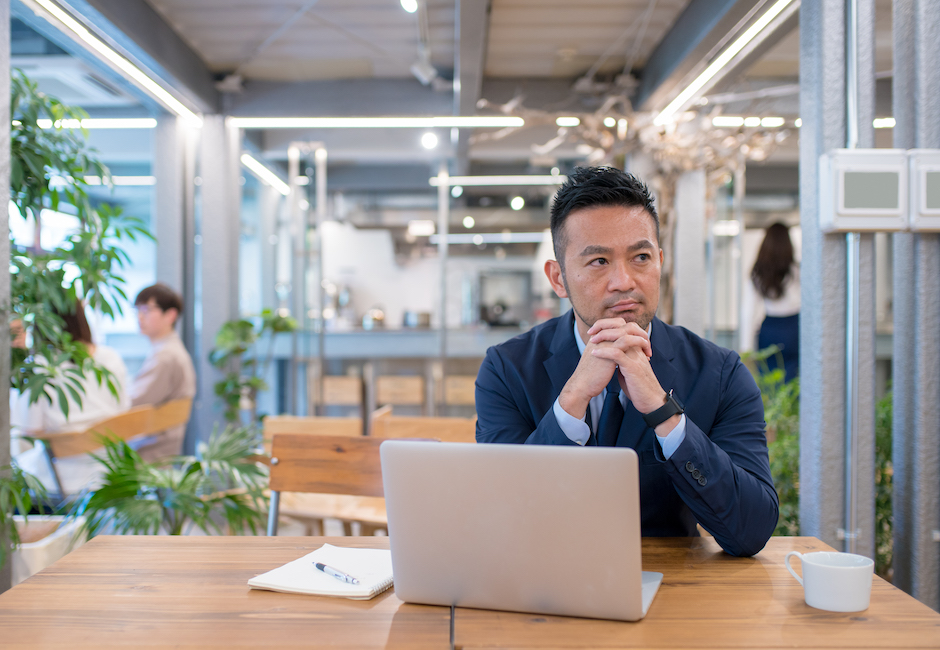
(577, 430)
(672, 441)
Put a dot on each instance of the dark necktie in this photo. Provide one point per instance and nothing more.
(608, 426)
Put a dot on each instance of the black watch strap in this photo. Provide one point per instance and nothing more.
(672, 407)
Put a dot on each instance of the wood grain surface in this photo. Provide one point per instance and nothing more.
(192, 592)
(709, 599)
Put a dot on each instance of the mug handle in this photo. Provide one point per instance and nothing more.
(786, 561)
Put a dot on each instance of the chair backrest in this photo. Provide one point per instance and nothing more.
(445, 429)
(460, 390)
(326, 464)
(124, 426)
(171, 414)
(342, 390)
(312, 425)
(407, 391)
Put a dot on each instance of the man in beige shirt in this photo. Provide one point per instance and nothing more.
(168, 373)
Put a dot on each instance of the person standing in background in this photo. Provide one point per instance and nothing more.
(776, 276)
(168, 373)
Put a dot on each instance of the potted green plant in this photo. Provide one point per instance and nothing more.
(235, 354)
(49, 163)
(223, 482)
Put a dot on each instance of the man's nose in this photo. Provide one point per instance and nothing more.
(621, 277)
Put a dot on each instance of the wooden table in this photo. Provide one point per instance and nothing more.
(192, 592)
(709, 599)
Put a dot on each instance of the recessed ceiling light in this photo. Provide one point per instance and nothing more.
(772, 122)
(727, 121)
(410, 6)
(429, 140)
(517, 203)
(751, 121)
(567, 121)
(456, 191)
(421, 227)
(884, 123)
(610, 122)
(468, 222)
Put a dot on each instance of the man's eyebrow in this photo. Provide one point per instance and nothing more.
(595, 249)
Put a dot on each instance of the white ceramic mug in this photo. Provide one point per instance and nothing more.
(837, 582)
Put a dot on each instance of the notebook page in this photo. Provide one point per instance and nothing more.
(372, 567)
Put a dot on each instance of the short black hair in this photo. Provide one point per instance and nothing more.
(163, 295)
(588, 187)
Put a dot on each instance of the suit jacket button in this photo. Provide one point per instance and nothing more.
(689, 466)
(702, 481)
(696, 474)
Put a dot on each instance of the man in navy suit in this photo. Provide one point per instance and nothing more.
(609, 372)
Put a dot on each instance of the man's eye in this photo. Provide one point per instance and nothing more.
(599, 260)
(643, 257)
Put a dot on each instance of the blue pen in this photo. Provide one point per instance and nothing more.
(336, 573)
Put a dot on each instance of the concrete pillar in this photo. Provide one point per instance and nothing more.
(5, 571)
(216, 269)
(916, 374)
(689, 254)
(822, 317)
(823, 109)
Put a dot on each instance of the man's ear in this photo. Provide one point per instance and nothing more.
(554, 273)
(176, 315)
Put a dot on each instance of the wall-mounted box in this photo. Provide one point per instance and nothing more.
(863, 190)
(925, 189)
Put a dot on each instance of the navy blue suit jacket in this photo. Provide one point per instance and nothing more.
(724, 444)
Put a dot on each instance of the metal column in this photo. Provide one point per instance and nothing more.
(443, 230)
(916, 373)
(859, 518)
(6, 574)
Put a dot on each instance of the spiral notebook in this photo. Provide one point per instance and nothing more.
(371, 566)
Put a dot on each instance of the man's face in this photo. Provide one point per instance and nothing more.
(612, 265)
(154, 322)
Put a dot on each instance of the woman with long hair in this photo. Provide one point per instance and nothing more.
(776, 276)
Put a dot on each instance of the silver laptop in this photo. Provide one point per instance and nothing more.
(526, 528)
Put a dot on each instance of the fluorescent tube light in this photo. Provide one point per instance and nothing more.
(468, 122)
(492, 181)
(751, 121)
(265, 174)
(727, 121)
(118, 61)
(772, 122)
(421, 227)
(100, 123)
(567, 121)
(723, 59)
(884, 123)
(491, 238)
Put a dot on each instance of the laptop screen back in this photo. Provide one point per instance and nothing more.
(542, 529)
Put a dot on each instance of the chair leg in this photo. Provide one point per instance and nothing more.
(273, 510)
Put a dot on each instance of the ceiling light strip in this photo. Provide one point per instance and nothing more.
(493, 181)
(492, 238)
(100, 123)
(264, 174)
(723, 59)
(122, 64)
(497, 121)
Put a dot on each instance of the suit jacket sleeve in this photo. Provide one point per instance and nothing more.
(499, 392)
(723, 475)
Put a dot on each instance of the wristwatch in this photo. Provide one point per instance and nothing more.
(672, 407)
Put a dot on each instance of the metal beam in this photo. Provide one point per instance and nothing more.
(696, 31)
(472, 29)
(141, 33)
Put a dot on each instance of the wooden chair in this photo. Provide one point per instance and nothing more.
(329, 465)
(403, 391)
(135, 423)
(446, 429)
(171, 414)
(460, 390)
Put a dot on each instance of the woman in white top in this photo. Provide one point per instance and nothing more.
(98, 403)
(776, 276)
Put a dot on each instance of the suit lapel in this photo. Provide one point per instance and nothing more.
(634, 426)
(564, 354)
